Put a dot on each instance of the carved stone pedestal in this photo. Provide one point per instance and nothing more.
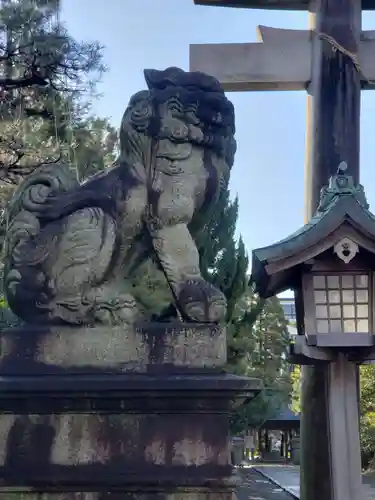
(93, 414)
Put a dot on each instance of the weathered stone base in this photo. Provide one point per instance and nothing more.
(166, 346)
(154, 426)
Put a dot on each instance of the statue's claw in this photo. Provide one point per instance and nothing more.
(201, 302)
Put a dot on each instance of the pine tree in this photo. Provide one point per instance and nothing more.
(367, 415)
(257, 330)
(223, 260)
(241, 339)
(265, 341)
(95, 146)
(296, 389)
(43, 74)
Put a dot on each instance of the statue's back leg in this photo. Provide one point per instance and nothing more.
(100, 253)
(48, 274)
(72, 269)
(115, 302)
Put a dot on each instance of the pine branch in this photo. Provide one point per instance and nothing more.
(12, 173)
(18, 83)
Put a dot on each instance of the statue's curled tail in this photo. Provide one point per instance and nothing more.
(23, 224)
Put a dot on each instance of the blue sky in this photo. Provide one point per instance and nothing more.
(268, 173)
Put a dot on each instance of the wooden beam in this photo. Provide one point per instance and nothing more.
(367, 59)
(341, 340)
(334, 129)
(271, 4)
(344, 431)
(302, 348)
(360, 356)
(281, 60)
(302, 360)
(322, 62)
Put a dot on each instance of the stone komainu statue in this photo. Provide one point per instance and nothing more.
(70, 248)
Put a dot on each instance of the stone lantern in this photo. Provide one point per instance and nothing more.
(330, 264)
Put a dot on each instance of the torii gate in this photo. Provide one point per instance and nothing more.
(333, 61)
(304, 60)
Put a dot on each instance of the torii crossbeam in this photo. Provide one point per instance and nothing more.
(281, 60)
(333, 61)
(270, 4)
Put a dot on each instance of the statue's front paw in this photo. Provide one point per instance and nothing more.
(201, 302)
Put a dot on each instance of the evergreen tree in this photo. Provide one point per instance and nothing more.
(224, 261)
(43, 74)
(266, 358)
(296, 389)
(367, 415)
(257, 330)
(95, 146)
(240, 335)
(296, 379)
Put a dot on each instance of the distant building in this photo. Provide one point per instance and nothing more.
(289, 307)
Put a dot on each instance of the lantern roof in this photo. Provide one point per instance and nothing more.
(343, 211)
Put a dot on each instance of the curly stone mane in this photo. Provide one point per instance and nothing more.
(196, 97)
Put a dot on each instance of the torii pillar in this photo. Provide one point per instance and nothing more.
(332, 60)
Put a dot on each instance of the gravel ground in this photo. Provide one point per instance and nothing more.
(256, 487)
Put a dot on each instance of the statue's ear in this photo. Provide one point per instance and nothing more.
(151, 77)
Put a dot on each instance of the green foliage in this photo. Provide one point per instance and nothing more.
(240, 333)
(46, 78)
(257, 330)
(296, 380)
(367, 415)
(224, 261)
(267, 340)
(95, 146)
(296, 389)
(271, 338)
(43, 77)
(39, 52)
(252, 415)
(7, 318)
(150, 289)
